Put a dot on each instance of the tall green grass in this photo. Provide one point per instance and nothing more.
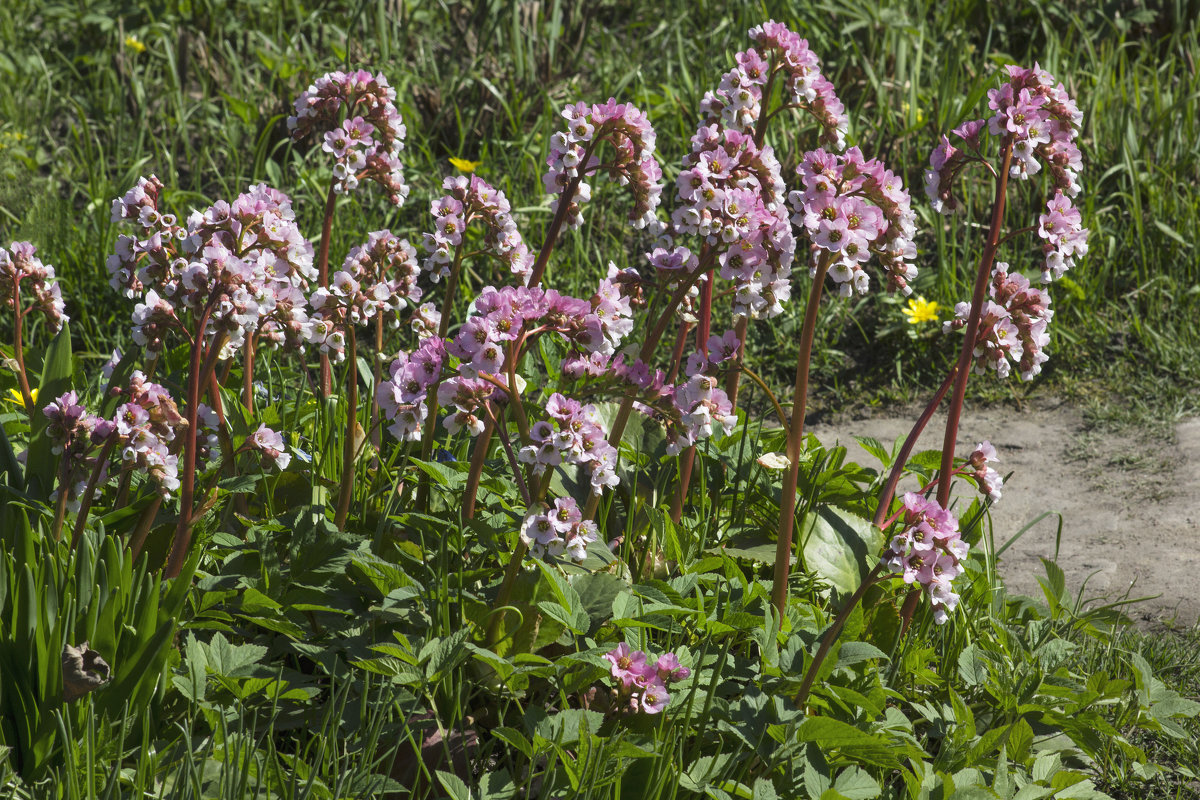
(83, 113)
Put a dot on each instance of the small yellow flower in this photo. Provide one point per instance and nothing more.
(134, 43)
(463, 165)
(920, 310)
(14, 396)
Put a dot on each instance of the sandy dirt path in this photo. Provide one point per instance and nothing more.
(1130, 504)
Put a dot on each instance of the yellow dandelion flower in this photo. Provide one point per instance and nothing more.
(920, 310)
(14, 396)
(134, 43)
(463, 165)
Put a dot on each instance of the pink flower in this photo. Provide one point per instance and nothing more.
(627, 664)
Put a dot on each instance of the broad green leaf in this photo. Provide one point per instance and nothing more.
(972, 666)
(840, 547)
(41, 463)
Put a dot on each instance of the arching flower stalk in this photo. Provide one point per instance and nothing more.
(355, 115)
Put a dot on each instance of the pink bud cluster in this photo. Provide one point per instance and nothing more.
(558, 529)
(376, 278)
(246, 260)
(402, 397)
(1036, 115)
(1012, 326)
(737, 103)
(731, 192)
(929, 551)
(143, 430)
(573, 154)
(988, 479)
(147, 425)
(644, 681)
(468, 200)
(614, 309)
(572, 434)
(355, 114)
(23, 272)
(853, 208)
(1062, 228)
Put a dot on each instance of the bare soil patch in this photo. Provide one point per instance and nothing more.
(1129, 501)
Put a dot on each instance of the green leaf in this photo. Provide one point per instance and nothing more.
(56, 380)
(232, 660)
(840, 547)
(876, 449)
(856, 783)
(454, 785)
(831, 734)
(972, 666)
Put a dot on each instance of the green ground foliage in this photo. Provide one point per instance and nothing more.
(307, 662)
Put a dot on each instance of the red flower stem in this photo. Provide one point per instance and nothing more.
(85, 503)
(832, 633)
(377, 376)
(508, 451)
(478, 456)
(787, 505)
(687, 460)
(560, 216)
(733, 379)
(323, 278)
(889, 488)
(145, 522)
(346, 489)
(982, 277)
(196, 379)
(648, 348)
(685, 327)
(248, 375)
(19, 350)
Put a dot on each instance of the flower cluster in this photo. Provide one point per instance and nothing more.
(645, 682)
(467, 200)
(731, 193)
(988, 479)
(573, 435)
(1012, 326)
(853, 208)
(146, 426)
(356, 116)
(23, 272)
(246, 262)
(143, 430)
(376, 278)
(1036, 115)
(402, 397)
(929, 551)
(573, 156)
(737, 103)
(558, 529)
(1062, 228)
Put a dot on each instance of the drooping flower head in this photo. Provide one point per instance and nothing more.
(23, 273)
(574, 154)
(469, 200)
(1013, 326)
(355, 115)
(929, 551)
(1034, 114)
(737, 102)
(854, 209)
